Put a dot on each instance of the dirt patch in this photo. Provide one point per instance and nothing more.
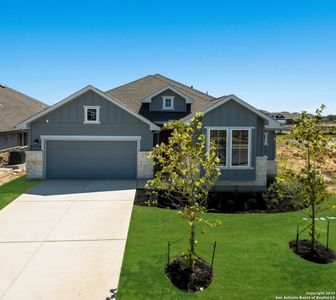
(287, 159)
(4, 156)
(189, 280)
(320, 255)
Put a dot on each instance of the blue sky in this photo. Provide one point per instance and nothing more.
(276, 55)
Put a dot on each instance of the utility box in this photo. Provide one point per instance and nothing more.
(17, 157)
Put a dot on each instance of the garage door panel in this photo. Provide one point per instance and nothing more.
(91, 159)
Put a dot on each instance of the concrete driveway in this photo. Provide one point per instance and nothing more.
(65, 239)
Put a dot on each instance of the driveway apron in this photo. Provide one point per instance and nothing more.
(65, 239)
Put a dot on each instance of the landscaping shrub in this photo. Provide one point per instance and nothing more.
(217, 201)
(283, 195)
(236, 201)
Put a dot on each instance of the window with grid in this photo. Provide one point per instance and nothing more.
(219, 139)
(240, 148)
(91, 114)
(168, 103)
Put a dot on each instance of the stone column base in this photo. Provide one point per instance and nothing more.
(145, 165)
(34, 164)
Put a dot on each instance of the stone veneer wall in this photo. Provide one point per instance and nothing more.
(145, 165)
(34, 164)
(260, 180)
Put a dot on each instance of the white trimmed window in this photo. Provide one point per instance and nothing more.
(91, 114)
(240, 148)
(233, 146)
(219, 139)
(168, 102)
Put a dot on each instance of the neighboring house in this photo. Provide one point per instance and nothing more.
(97, 135)
(285, 117)
(15, 107)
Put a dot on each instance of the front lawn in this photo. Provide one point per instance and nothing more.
(13, 189)
(253, 260)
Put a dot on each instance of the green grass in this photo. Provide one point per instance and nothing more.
(13, 189)
(253, 260)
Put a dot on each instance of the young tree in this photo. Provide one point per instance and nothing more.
(318, 150)
(185, 174)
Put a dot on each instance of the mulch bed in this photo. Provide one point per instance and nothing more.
(320, 255)
(189, 280)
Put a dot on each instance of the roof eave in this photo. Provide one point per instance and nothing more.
(14, 130)
(148, 99)
(238, 100)
(24, 124)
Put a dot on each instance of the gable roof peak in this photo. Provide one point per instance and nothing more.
(271, 124)
(182, 86)
(24, 124)
(148, 99)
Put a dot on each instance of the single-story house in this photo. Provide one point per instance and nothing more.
(285, 117)
(15, 107)
(105, 135)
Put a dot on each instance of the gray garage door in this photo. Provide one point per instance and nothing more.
(91, 160)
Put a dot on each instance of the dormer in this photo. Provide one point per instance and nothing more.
(168, 99)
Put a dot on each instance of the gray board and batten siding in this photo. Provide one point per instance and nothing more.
(157, 101)
(232, 114)
(270, 148)
(68, 120)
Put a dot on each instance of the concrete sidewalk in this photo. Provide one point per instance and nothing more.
(65, 239)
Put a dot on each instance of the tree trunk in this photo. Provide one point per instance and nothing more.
(191, 254)
(313, 231)
(192, 239)
(312, 200)
(192, 226)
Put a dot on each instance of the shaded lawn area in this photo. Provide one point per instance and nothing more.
(11, 190)
(253, 260)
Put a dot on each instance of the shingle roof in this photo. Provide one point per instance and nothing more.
(15, 107)
(266, 112)
(134, 92)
